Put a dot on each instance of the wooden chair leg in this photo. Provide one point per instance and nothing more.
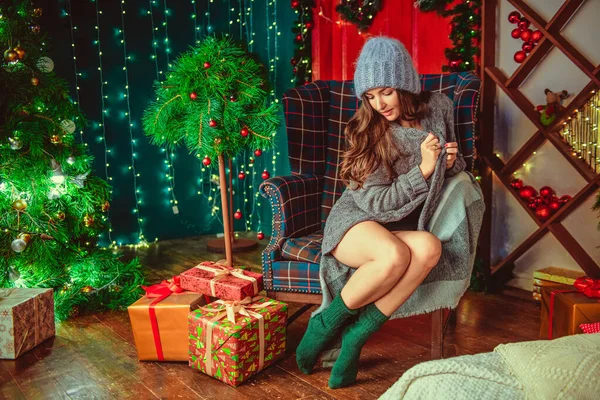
(437, 334)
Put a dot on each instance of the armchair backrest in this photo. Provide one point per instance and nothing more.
(317, 114)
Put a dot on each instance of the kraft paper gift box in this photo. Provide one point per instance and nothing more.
(217, 280)
(26, 319)
(232, 340)
(160, 321)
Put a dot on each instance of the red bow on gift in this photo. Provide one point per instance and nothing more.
(588, 286)
(165, 288)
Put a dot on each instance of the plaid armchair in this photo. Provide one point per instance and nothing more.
(316, 115)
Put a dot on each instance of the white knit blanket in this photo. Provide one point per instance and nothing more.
(564, 368)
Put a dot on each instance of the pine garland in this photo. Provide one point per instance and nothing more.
(52, 209)
(465, 32)
(359, 12)
(302, 29)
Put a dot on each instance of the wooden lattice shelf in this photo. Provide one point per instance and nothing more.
(572, 135)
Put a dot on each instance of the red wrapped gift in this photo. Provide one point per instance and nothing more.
(240, 337)
(219, 281)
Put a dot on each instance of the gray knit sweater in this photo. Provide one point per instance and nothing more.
(384, 199)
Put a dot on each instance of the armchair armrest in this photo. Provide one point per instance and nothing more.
(466, 103)
(296, 206)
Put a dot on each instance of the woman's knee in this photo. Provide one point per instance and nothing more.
(430, 250)
(396, 259)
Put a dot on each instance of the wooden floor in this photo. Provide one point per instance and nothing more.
(94, 356)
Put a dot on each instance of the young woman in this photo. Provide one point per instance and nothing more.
(394, 145)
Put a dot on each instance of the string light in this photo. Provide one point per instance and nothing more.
(581, 133)
(136, 192)
(77, 73)
(103, 97)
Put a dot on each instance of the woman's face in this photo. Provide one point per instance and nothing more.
(385, 101)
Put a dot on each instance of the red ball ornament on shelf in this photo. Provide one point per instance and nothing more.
(244, 132)
(295, 4)
(524, 23)
(206, 161)
(520, 56)
(543, 212)
(514, 17)
(546, 191)
(527, 47)
(212, 123)
(241, 176)
(536, 36)
(207, 65)
(298, 38)
(260, 236)
(526, 35)
(193, 96)
(258, 152)
(237, 214)
(516, 184)
(555, 205)
(515, 33)
(527, 192)
(532, 205)
(265, 175)
(565, 199)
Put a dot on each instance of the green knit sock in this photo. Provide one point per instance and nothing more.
(354, 337)
(321, 329)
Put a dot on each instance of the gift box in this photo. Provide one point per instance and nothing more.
(26, 319)
(219, 281)
(160, 321)
(565, 308)
(233, 340)
(553, 277)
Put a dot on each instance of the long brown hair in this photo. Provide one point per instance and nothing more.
(368, 138)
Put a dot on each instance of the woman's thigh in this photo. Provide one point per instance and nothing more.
(364, 242)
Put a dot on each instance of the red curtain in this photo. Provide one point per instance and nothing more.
(337, 43)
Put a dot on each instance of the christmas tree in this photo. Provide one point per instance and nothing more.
(52, 208)
(214, 101)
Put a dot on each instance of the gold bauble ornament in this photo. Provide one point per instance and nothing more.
(37, 12)
(19, 205)
(60, 215)
(88, 220)
(20, 52)
(10, 55)
(105, 206)
(87, 289)
(55, 139)
(35, 81)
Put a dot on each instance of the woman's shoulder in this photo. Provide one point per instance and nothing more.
(440, 100)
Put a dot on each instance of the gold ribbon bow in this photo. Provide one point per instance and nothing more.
(221, 272)
(230, 310)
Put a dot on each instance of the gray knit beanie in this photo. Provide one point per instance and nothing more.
(384, 62)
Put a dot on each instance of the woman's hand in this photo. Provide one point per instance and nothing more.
(452, 152)
(430, 151)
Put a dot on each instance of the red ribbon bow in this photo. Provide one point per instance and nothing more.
(164, 289)
(588, 286)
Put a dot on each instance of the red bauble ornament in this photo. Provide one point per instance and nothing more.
(295, 70)
(193, 96)
(520, 56)
(536, 36)
(309, 25)
(532, 205)
(212, 123)
(206, 161)
(555, 205)
(295, 4)
(524, 23)
(543, 212)
(298, 38)
(237, 214)
(251, 160)
(241, 176)
(565, 199)
(293, 61)
(546, 191)
(207, 65)
(517, 184)
(244, 132)
(455, 63)
(527, 192)
(232, 99)
(258, 152)
(266, 175)
(526, 35)
(514, 17)
(260, 236)
(538, 200)
(527, 47)
(515, 33)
